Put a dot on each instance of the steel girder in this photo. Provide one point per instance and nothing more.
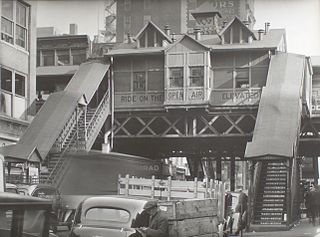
(183, 133)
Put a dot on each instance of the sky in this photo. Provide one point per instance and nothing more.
(300, 18)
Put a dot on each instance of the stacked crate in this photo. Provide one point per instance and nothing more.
(192, 217)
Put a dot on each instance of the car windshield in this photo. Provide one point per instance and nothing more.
(44, 192)
(108, 214)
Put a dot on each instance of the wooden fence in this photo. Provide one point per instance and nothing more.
(173, 189)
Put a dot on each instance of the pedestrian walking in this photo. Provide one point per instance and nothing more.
(313, 205)
(242, 209)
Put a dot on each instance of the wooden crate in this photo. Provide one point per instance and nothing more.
(190, 208)
(194, 227)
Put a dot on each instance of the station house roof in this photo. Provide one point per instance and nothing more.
(269, 41)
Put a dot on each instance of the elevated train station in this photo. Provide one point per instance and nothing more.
(223, 93)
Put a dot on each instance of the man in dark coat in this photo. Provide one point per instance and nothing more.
(242, 208)
(313, 204)
(158, 222)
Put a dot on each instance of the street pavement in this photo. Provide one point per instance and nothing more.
(301, 229)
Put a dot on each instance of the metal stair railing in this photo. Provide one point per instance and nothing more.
(253, 190)
(60, 163)
(67, 130)
(97, 120)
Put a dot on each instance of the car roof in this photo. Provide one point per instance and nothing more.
(128, 203)
(10, 185)
(16, 199)
(34, 186)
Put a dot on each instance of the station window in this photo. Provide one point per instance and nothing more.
(242, 78)
(176, 77)
(63, 57)
(19, 22)
(6, 80)
(19, 84)
(139, 81)
(196, 76)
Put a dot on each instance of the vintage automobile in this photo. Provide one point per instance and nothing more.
(11, 188)
(43, 191)
(107, 216)
(22, 216)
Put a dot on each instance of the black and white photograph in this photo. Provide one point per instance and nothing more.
(159, 118)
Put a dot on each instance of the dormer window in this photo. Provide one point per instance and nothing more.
(151, 36)
(236, 32)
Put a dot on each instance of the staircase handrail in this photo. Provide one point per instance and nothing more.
(293, 187)
(256, 180)
(60, 162)
(68, 127)
(93, 120)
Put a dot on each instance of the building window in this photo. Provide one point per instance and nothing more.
(19, 85)
(78, 56)
(6, 80)
(176, 77)
(139, 81)
(19, 22)
(146, 19)
(242, 78)
(147, 4)
(48, 58)
(127, 5)
(127, 24)
(196, 76)
(63, 57)
(7, 21)
(21, 25)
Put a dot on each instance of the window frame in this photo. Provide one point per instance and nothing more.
(14, 39)
(175, 79)
(139, 82)
(192, 77)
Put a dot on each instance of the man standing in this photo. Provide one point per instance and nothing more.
(158, 222)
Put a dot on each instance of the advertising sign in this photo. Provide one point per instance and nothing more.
(138, 99)
(234, 97)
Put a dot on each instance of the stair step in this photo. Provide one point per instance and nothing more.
(275, 187)
(276, 183)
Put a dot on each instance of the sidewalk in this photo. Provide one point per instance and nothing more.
(302, 229)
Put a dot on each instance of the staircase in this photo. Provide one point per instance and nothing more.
(270, 202)
(81, 135)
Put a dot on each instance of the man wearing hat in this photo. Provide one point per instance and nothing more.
(158, 222)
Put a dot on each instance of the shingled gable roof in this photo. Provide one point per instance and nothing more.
(156, 27)
(183, 37)
(241, 23)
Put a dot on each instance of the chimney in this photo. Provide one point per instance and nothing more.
(173, 37)
(224, 23)
(246, 23)
(73, 29)
(266, 27)
(197, 33)
(167, 30)
(130, 38)
(260, 32)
